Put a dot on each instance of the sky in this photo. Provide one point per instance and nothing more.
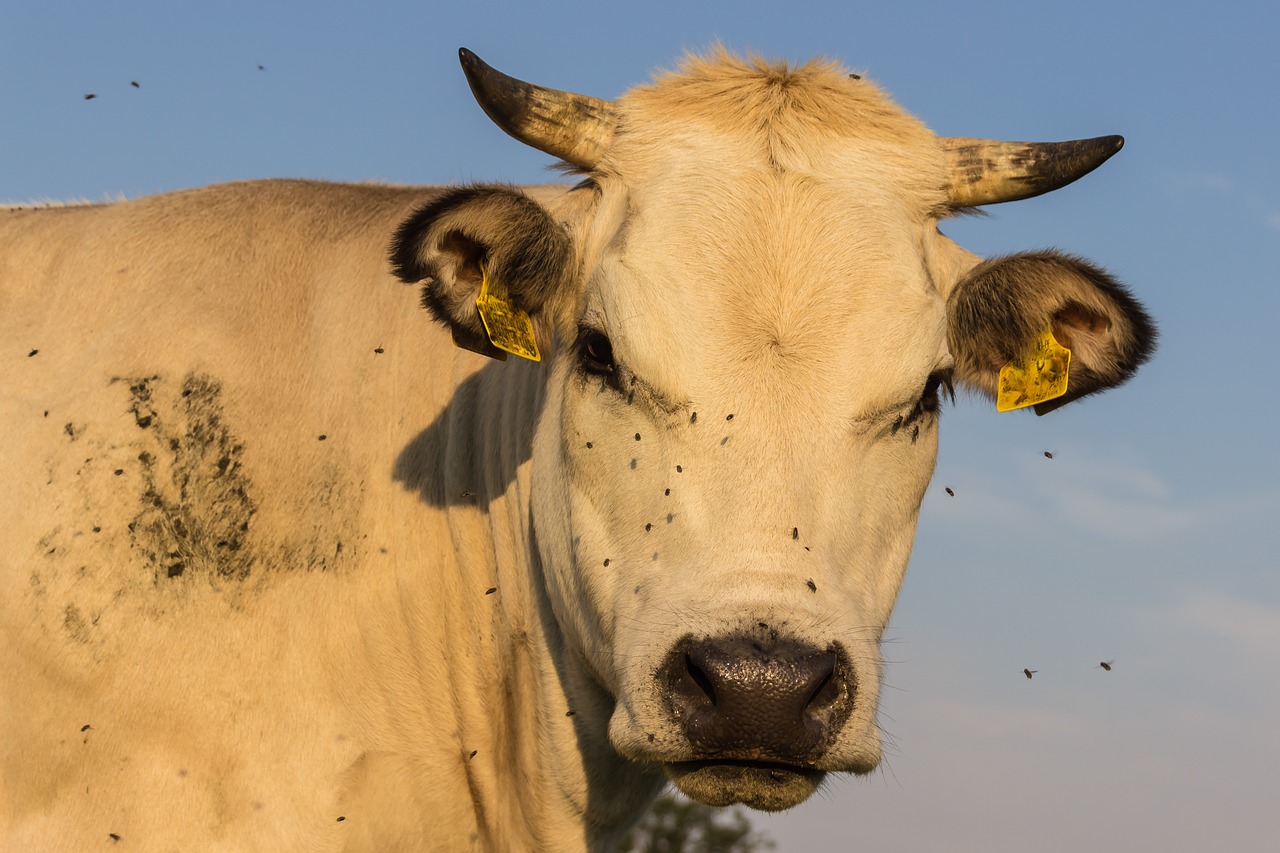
(1148, 539)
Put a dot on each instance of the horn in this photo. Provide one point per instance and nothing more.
(985, 171)
(575, 128)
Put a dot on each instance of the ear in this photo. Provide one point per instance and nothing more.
(443, 245)
(996, 312)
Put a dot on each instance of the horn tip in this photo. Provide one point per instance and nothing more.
(467, 58)
(1106, 147)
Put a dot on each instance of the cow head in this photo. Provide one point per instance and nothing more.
(753, 320)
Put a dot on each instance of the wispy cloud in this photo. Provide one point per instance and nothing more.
(1099, 476)
(996, 722)
(1214, 182)
(1223, 186)
(1117, 500)
(1226, 646)
(1120, 500)
(1251, 629)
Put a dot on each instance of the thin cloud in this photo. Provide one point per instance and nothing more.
(1101, 477)
(1203, 182)
(1222, 186)
(999, 722)
(1116, 500)
(1249, 628)
(1133, 518)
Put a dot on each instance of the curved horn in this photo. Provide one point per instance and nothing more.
(984, 171)
(575, 128)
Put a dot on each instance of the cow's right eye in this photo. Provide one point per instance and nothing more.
(595, 353)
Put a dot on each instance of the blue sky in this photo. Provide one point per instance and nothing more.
(1150, 538)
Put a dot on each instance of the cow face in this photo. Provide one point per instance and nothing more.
(754, 322)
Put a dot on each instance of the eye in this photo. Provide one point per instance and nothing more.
(595, 353)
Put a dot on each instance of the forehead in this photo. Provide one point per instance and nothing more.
(786, 290)
(766, 222)
(723, 112)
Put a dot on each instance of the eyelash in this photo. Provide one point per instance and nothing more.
(930, 399)
(939, 382)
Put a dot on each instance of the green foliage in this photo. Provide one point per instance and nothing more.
(678, 825)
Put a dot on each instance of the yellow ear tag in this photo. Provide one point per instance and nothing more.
(1040, 375)
(508, 327)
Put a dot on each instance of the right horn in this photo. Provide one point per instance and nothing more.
(985, 171)
(575, 128)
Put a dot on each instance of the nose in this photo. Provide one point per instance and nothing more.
(758, 699)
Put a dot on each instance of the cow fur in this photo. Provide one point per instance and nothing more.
(283, 568)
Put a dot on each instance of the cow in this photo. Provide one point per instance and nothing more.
(286, 565)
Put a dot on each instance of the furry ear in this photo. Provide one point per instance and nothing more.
(443, 245)
(1002, 305)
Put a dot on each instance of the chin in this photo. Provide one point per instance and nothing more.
(759, 785)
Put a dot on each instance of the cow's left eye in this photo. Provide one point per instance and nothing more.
(595, 353)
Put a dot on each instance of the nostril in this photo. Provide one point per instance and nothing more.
(827, 692)
(700, 679)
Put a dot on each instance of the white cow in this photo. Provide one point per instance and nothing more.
(281, 568)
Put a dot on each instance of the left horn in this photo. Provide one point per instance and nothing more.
(575, 128)
(984, 171)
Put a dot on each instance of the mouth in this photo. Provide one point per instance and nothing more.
(765, 785)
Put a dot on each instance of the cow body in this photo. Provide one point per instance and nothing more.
(265, 631)
(283, 568)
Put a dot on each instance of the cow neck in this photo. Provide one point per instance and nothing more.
(510, 706)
